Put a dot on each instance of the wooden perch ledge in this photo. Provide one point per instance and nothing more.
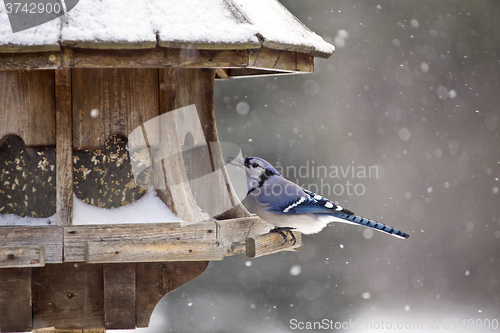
(272, 242)
(122, 243)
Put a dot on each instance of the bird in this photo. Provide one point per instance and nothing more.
(288, 206)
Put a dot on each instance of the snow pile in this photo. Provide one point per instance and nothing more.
(108, 21)
(11, 219)
(200, 22)
(148, 209)
(275, 23)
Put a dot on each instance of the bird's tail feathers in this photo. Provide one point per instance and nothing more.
(354, 219)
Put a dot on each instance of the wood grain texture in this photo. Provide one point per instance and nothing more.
(29, 256)
(151, 58)
(50, 237)
(280, 60)
(119, 296)
(261, 245)
(171, 182)
(305, 63)
(51, 330)
(15, 300)
(201, 153)
(27, 106)
(54, 330)
(124, 99)
(69, 296)
(233, 233)
(139, 251)
(75, 237)
(64, 147)
(23, 61)
(270, 60)
(155, 280)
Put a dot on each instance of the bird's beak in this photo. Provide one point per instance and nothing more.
(237, 162)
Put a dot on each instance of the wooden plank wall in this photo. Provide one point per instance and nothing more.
(15, 288)
(64, 147)
(124, 99)
(78, 295)
(201, 157)
(27, 106)
(68, 296)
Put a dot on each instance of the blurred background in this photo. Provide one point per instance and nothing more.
(412, 91)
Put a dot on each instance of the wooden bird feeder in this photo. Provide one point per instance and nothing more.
(95, 277)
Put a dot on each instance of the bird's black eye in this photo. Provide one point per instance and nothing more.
(255, 165)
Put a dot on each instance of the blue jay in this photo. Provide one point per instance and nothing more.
(288, 206)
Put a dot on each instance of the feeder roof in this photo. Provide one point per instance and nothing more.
(200, 24)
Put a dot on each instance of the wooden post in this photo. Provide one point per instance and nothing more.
(272, 242)
(15, 300)
(64, 147)
(181, 87)
(119, 296)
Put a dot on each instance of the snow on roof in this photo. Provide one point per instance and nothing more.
(217, 24)
(45, 37)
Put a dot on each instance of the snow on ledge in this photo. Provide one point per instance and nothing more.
(148, 209)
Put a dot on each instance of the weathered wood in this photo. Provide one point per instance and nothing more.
(261, 245)
(27, 106)
(194, 86)
(171, 182)
(69, 296)
(55, 330)
(234, 232)
(15, 300)
(280, 60)
(13, 48)
(22, 256)
(224, 201)
(221, 73)
(108, 45)
(169, 250)
(154, 280)
(305, 63)
(123, 99)
(50, 237)
(64, 147)
(23, 61)
(75, 237)
(119, 296)
(154, 58)
(269, 62)
(265, 58)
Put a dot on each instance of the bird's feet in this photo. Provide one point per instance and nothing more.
(282, 231)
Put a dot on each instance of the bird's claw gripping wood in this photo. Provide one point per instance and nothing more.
(281, 231)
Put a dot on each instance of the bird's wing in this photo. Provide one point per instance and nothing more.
(308, 203)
